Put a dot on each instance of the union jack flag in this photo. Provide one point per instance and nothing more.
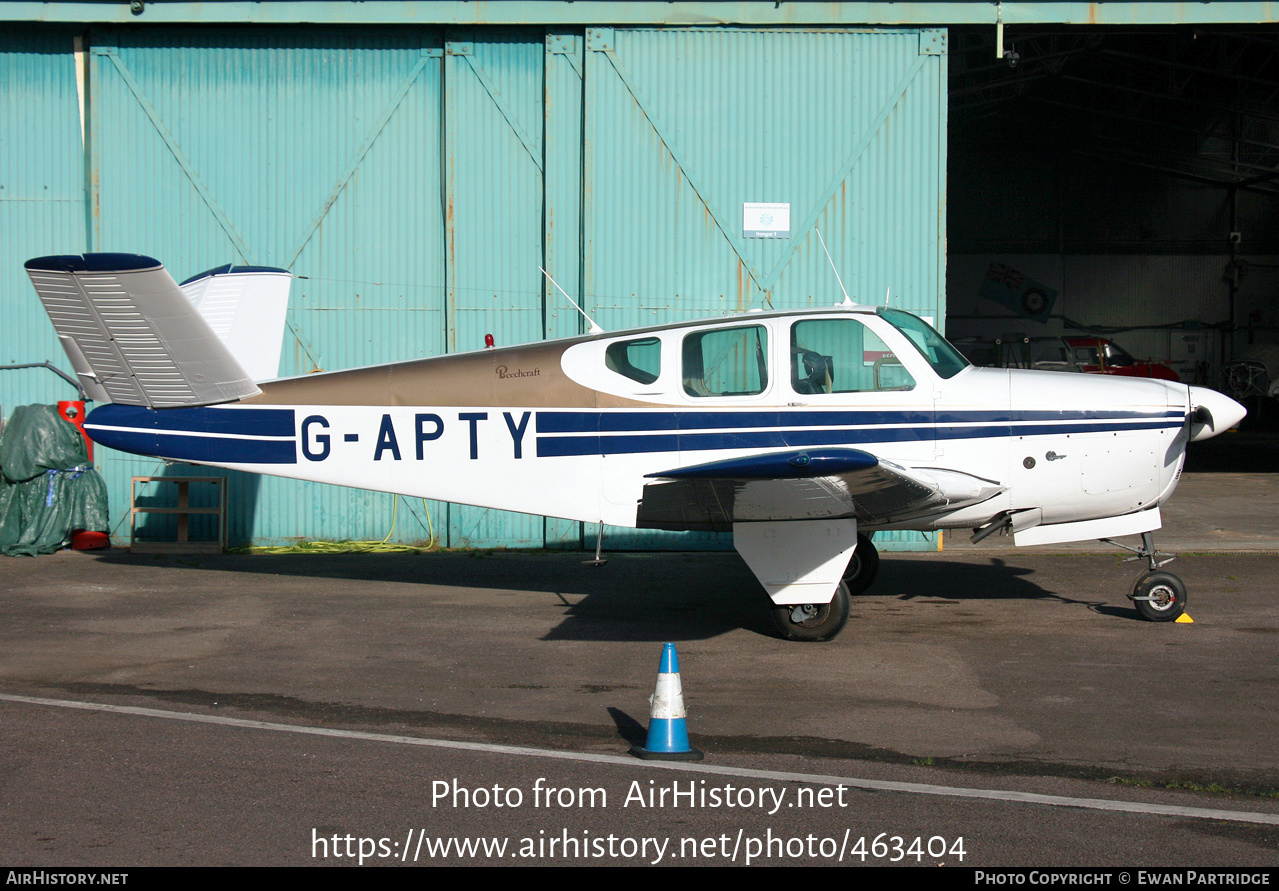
(1005, 275)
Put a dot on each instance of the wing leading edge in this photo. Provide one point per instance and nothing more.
(809, 484)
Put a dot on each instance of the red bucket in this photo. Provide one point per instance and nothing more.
(84, 540)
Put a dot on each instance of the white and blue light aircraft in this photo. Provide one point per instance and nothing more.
(802, 431)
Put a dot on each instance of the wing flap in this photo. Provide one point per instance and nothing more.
(804, 485)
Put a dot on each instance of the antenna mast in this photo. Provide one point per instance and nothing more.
(594, 329)
(847, 299)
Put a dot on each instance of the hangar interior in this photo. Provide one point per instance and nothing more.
(414, 177)
(1132, 173)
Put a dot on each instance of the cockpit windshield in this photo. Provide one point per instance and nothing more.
(945, 359)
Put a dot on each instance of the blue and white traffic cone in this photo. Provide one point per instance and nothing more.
(667, 729)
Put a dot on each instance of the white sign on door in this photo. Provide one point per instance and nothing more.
(765, 220)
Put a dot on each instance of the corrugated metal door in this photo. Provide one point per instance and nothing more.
(686, 126)
(313, 150)
(399, 173)
(416, 178)
(41, 199)
(493, 172)
(561, 212)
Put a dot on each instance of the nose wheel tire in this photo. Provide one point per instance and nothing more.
(863, 566)
(1159, 597)
(813, 621)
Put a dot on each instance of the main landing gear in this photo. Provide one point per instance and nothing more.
(822, 621)
(863, 566)
(813, 621)
(1158, 596)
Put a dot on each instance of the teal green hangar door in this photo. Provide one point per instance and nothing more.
(689, 130)
(415, 178)
(503, 151)
(713, 156)
(311, 149)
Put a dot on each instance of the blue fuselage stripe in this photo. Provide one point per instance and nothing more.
(222, 450)
(653, 421)
(268, 435)
(233, 421)
(215, 435)
(594, 444)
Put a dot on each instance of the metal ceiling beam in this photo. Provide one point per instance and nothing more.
(1151, 122)
(644, 12)
(1231, 72)
(1112, 85)
(1255, 184)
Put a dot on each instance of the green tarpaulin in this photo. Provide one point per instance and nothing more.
(48, 488)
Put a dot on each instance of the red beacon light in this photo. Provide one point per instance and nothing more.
(488, 341)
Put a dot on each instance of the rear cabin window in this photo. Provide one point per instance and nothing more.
(640, 360)
(726, 361)
(843, 356)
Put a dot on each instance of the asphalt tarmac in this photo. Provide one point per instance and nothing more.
(984, 707)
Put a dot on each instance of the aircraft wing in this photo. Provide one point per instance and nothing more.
(807, 484)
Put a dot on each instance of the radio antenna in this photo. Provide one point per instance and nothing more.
(595, 329)
(847, 300)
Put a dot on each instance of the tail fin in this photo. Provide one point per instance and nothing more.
(131, 335)
(245, 306)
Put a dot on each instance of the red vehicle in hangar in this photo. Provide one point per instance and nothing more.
(1097, 355)
(1088, 354)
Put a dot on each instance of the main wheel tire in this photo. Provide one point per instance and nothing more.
(813, 621)
(1167, 597)
(863, 566)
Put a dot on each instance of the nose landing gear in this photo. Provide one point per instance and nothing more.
(1158, 596)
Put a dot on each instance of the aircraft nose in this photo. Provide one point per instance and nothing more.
(1212, 413)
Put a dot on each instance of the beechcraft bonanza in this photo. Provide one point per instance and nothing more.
(802, 431)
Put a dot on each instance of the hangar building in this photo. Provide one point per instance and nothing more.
(413, 164)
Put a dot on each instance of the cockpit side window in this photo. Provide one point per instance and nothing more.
(944, 358)
(843, 356)
(640, 360)
(726, 361)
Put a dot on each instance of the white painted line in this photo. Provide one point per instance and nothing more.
(1101, 804)
(204, 434)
